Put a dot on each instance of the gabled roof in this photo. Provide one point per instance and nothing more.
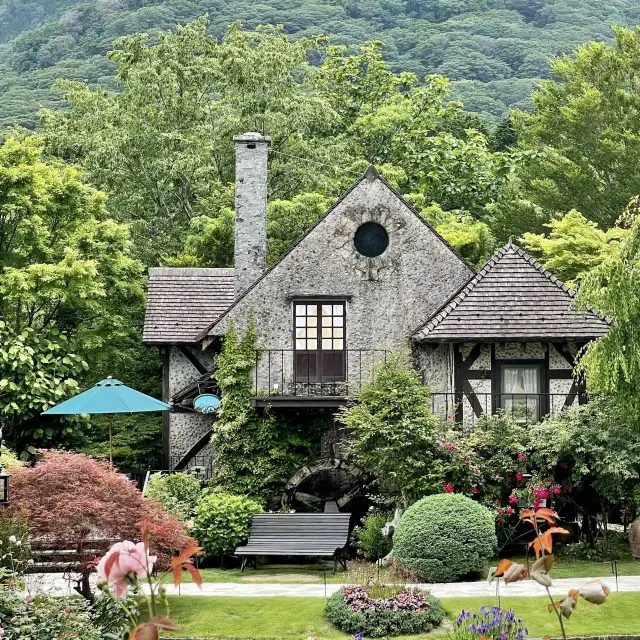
(182, 302)
(512, 298)
(371, 175)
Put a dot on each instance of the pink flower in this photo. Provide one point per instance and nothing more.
(557, 489)
(448, 488)
(501, 521)
(132, 561)
(510, 511)
(522, 457)
(475, 490)
(513, 499)
(452, 447)
(519, 475)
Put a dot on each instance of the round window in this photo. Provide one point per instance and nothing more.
(371, 239)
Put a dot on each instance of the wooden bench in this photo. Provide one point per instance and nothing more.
(320, 535)
(51, 556)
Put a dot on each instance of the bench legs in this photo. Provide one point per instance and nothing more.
(340, 556)
(253, 560)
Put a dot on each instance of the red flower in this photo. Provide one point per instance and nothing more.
(500, 511)
(557, 490)
(566, 487)
(501, 521)
(510, 510)
(519, 475)
(475, 490)
(448, 488)
(513, 499)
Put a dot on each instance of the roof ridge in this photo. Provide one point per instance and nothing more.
(192, 271)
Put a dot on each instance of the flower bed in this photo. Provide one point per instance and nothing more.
(491, 623)
(399, 612)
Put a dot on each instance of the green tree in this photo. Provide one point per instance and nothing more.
(584, 132)
(162, 146)
(38, 369)
(611, 364)
(573, 246)
(393, 432)
(63, 262)
(67, 278)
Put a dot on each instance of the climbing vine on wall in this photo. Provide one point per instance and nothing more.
(255, 451)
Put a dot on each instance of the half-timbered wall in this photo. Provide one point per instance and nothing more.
(183, 365)
(465, 378)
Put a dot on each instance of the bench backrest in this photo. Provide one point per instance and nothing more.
(300, 531)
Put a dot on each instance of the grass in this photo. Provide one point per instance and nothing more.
(312, 573)
(299, 618)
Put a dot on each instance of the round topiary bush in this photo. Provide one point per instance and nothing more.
(400, 612)
(443, 537)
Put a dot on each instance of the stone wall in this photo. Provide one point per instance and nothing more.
(387, 297)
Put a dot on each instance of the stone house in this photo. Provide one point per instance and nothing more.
(371, 277)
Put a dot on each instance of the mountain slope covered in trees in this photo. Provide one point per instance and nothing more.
(493, 50)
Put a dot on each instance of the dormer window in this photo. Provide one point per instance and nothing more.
(319, 334)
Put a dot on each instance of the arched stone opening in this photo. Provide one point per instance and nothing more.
(325, 484)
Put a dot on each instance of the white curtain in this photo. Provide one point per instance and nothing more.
(520, 381)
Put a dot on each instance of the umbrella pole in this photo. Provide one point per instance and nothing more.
(110, 418)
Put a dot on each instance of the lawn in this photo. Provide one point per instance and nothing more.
(295, 618)
(308, 573)
(312, 573)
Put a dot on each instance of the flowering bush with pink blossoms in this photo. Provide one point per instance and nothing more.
(404, 612)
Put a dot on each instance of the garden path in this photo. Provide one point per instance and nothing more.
(57, 584)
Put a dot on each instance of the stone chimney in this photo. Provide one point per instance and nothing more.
(251, 209)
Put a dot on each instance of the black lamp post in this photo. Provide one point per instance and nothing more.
(4, 481)
(4, 488)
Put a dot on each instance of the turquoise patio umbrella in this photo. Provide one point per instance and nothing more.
(108, 397)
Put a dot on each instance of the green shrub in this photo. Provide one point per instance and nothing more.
(222, 521)
(376, 623)
(45, 618)
(443, 537)
(177, 492)
(368, 538)
(108, 614)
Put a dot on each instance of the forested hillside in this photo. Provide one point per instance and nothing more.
(493, 50)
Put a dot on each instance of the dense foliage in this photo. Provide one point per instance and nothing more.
(393, 432)
(368, 538)
(222, 521)
(494, 50)
(443, 537)
(178, 493)
(401, 613)
(255, 452)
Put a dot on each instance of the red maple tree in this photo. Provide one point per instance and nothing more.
(72, 501)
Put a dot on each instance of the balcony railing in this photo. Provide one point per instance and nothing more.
(526, 408)
(290, 373)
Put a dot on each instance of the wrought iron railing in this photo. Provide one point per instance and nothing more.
(527, 408)
(318, 373)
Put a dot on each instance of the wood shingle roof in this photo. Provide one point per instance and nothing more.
(182, 302)
(513, 298)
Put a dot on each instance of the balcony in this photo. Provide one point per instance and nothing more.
(312, 378)
(526, 408)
